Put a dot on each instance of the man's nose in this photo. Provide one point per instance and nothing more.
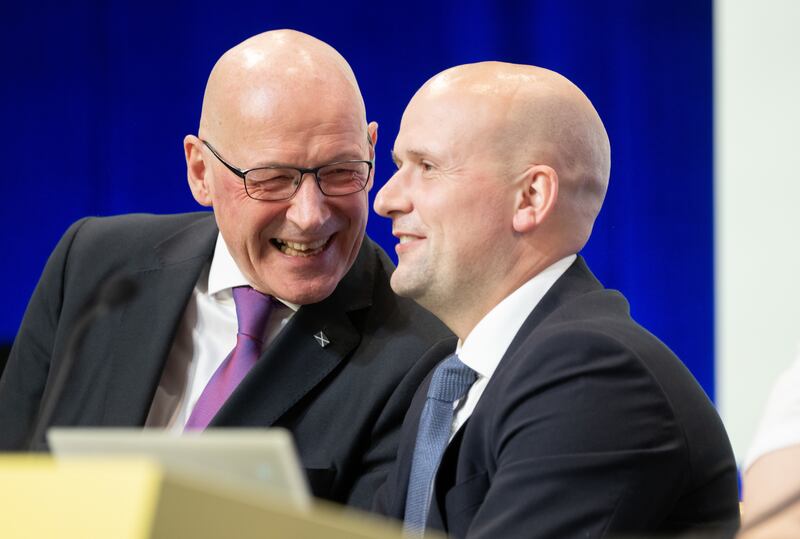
(308, 207)
(392, 197)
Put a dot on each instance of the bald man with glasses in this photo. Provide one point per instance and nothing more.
(272, 310)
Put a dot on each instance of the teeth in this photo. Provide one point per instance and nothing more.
(293, 248)
(406, 239)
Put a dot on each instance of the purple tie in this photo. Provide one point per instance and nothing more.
(252, 311)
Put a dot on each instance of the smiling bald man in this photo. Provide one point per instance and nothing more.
(285, 158)
(558, 416)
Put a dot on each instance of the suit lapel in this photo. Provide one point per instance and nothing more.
(290, 368)
(396, 506)
(576, 281)
(296, 362)
(147, 325)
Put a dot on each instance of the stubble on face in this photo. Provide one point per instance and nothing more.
(501, 121)
(451, 196)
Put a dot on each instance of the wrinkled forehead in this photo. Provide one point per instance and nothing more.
(269, 93)
(290, 110)
(305, 100)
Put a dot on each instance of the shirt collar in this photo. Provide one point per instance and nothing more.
(224, 274)
(486, 344)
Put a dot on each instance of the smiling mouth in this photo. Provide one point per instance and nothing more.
(407, 238)
(295, 248)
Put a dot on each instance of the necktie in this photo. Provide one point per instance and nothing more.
(450, 382)
(252, 311)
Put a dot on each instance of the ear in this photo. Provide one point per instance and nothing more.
(536, 197)
(196, 170)
(372, 138)
(372, 135)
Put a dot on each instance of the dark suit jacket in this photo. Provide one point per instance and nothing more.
(344, 403)
(589, 426)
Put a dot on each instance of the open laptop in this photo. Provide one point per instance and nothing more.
(262, 460)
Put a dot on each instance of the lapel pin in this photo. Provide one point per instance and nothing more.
(322, 339)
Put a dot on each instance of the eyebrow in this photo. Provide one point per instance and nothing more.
(413, 153)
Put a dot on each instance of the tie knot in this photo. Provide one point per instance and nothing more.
(252, 310)
(451, 380)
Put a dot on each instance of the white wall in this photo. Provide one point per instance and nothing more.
(757, 198)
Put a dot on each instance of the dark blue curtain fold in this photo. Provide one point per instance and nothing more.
(97, 96)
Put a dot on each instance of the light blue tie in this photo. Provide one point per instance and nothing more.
(450, 382)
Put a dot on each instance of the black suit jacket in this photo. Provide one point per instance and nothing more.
(344, 403)
(589, 426)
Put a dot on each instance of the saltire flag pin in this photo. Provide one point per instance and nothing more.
(322, 339)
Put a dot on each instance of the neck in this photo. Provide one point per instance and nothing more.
(462, 314)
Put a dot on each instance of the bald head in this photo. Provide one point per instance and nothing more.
(501, 165)
(276, 104)
(272, 74)
(529, 115)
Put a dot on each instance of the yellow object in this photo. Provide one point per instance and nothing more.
(42, 498)
(133, 498)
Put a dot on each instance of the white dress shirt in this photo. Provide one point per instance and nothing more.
(488, 341)
(205, 336)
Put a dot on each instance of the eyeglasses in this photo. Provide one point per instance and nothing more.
(281, 183)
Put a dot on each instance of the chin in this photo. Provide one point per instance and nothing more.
(405, 287)
(306, 295)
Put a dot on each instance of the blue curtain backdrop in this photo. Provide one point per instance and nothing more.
(96, 98)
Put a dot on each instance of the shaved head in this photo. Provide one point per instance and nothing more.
(502, 170)
(531, 115)
(272, 73)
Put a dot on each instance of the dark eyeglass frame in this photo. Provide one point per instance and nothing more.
(242, 173)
